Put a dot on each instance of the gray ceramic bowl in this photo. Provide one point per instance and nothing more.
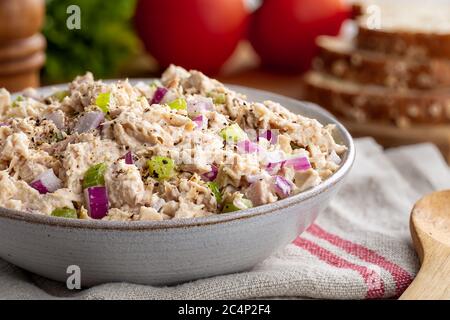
(169, 252)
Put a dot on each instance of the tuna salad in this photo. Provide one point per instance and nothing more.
(183, 146)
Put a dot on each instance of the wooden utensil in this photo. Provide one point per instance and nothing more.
(430, 231)
(20, 18)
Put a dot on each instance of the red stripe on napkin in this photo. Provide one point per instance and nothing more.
(375, 284)
(401, 277)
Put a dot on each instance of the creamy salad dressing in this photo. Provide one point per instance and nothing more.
(181, 147)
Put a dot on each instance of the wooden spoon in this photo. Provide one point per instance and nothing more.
(430, 231)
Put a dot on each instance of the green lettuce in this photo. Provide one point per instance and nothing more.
(104, 43)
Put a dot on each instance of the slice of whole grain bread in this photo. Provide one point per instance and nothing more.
(363, 103)
(414, 29)
(340, 58)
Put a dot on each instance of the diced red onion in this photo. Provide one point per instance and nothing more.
(159, 95)
(246, 146)
(39, 186)
(197, 105)
(201, 121)
(46, 182)
(210, 176)
(274, 160)
(57, 118)
(89, 121)
(299, 163)
(281, 186)
(269, 135)
(4, 124)
(97, 202)
(129, 158)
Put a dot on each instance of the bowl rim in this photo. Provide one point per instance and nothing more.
(266, 209)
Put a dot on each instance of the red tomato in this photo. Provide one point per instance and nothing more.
(283, 32)
(196, 34)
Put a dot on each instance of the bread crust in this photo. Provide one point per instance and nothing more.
(411, 44)
(339, 58)
(398, 74)
(363, 103)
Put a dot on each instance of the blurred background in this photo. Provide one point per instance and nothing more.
(138, 38)
(265, 44)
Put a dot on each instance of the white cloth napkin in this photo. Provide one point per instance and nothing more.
(358, 248)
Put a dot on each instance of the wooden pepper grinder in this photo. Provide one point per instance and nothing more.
(22, 47)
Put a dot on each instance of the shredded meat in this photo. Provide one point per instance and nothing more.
(204, 139)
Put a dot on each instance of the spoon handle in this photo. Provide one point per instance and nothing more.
(433, 280)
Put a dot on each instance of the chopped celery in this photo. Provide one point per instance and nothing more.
(220, 98)
(233, 133)
(238, 204)
(215, 190)
(17, 100)
(103, 100)
(95, 176)
(161, 168)
(60, 95)
(58, 136)
(229, 207)
(65, 213)
(178, 104)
